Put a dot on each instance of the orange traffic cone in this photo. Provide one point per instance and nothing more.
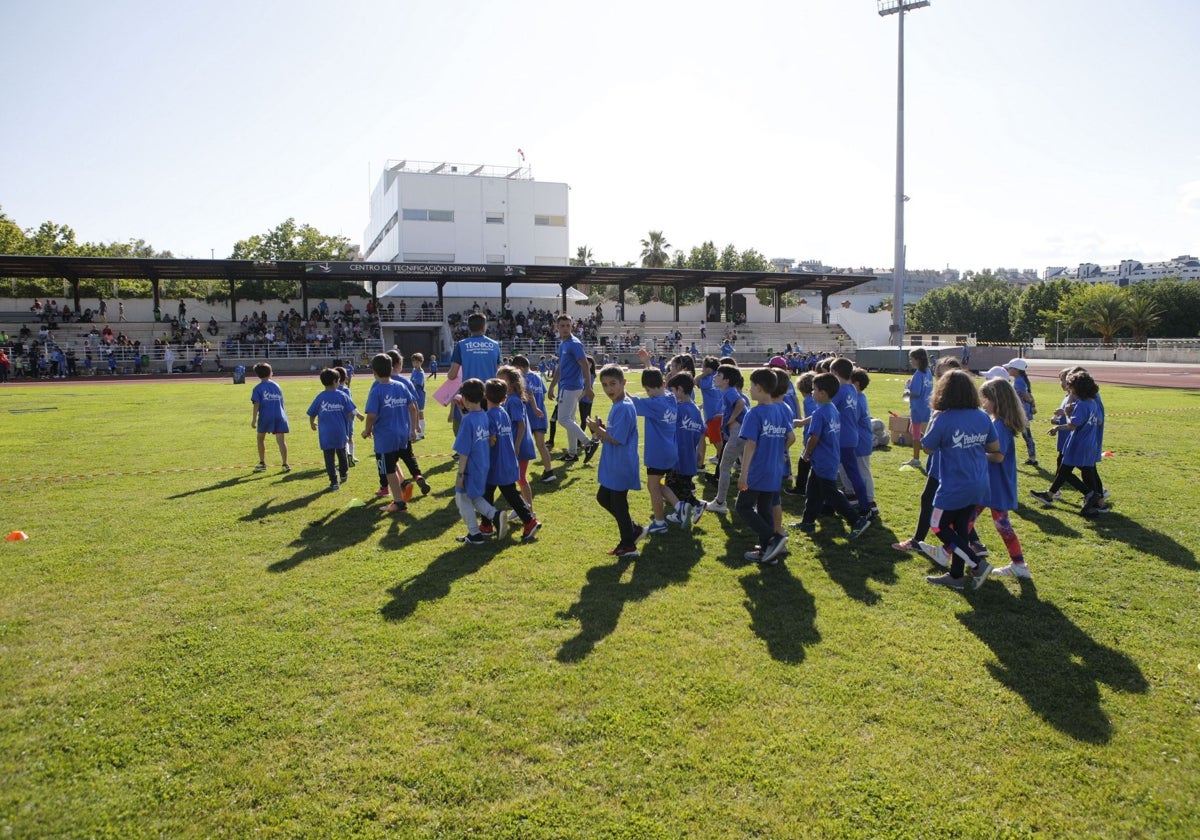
(16, 536)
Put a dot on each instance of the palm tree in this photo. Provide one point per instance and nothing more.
(1142, 315)
(654, 251)
(583, 256)
(1102, 309)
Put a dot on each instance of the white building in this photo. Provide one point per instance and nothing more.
(424, 212)
(1130, 271)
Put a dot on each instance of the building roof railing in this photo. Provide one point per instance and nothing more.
(426, 167)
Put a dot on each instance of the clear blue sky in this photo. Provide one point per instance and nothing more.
(1040, 132)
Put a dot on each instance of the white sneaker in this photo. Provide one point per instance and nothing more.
(938, 554)
(714, 507)
(698, 511)
(1013, 570)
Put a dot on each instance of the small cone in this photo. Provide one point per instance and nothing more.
(1106, 455)
(16, 536)
(355, 503)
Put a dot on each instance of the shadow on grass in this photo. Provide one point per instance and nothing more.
(268, 508)
(664, 561)
(221, 485)
(331, 533)
(433, 583)
(853, 564)
(1115, 526)
(1049, 661)
(1039, 516)
(782, 612)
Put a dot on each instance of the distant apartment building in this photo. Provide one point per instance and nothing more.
(1128, 272)
(438, 212)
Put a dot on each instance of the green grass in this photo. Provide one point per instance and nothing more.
(189, 649)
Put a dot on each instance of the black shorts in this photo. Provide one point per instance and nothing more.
(386, 462)
(656, 471)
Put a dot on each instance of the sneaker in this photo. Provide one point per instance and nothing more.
(1031, 462)
(716, 507)
(1058, 495)
(287, 468)
(980, 549)
(590, 450)
(261, 468)
(714, 460)
(906, 545)
(982, 569)
(1013, 570)
(794, 491)
(472, 539)
(353, 460)
(549, 477)
(382, 491)
(569, 458)
(873, 513)
(513, 516)
(486, 529)
(685, 516)
(395, 507)
(698, 510)
(945, 580)
(657, 528)
(343, 477)
(1043, 496)
(773, 549)
(912, 462)
(423, 484)
(755, 556)
(531, 528)
(625, 552)
(805, 527)
(335, 487)
(861, 525)
(500, 524)
(673, 519)
(1106, 494)
(639, 534)
(938, 554)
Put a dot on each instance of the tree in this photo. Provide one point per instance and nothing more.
(583, 256)
(1033, 312)
(1179, 304)
(1100, 308)
(729, 258)
(654, 250)
(1142, 313)
(704, 258)
(289, 241)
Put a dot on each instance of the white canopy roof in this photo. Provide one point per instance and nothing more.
(479, 290)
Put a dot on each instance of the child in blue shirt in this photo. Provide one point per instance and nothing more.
(733, 408)
(344, 386)
(767, 434)
(1001, 403)
(417, 378)
(387, 424)
(413, 423)
(846, 402)
(268, 416)
(712, 406)
(963, 436)
(535, 399)
(804, 385)
(679, 489)
(472, 442)
(503, 467)
(1084, 420)
(618, 470)
(860, 379)
(659, 453)
(329, 416)
(917, 392)
(823, 452)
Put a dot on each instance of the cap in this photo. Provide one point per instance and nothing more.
(997, 372)
(1019, 364)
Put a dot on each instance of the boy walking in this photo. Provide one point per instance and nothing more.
(329, 416)
(267, 417)
(472, 443)
(388, 424)
(767, 432)
(618, 470)
(503, 470)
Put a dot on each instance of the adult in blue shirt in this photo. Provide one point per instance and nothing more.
(571, 377)
(476, 356)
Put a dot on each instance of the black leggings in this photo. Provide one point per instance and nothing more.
(1091, 479)
(511, 495)
(616, 502)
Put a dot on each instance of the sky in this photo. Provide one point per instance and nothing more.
(1038, 132)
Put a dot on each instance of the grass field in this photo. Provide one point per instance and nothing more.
(190, 649)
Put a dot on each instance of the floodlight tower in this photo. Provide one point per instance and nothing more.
(899, 7)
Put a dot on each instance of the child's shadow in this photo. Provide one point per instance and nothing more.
(853, 564)
(603, 598)
(782, 612)
(434, 581)
(1116, 527)
(265, 509)
(1049, 661)
(331, 533)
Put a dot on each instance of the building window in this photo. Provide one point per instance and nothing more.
(550, 221)
(493, 218)
(412, 215)
(495, 259)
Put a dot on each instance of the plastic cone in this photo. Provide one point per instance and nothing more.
(16, 536)
(1106, 455)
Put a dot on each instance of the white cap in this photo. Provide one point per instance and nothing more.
(1019, 364)
(997, 372)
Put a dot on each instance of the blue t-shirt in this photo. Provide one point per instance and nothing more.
(826, 457)
(661, 415)
(1099, 427)
(1021, 386)
(271, 416)
(537, 390)
(417, 378)
(810, 405)
(571, 363)
(960, 436)
(846, 403)
(866, 436)
(1060, 439)
(345, 389)
(1081, 448)
(920, 389)
(332, 408)
(729, 399)
(478, 356)
(619, 463)
(710, 396)
(1002, 477)
(768, 424)
(789, 399)
(515, 408)
(389, 401)
(689, 429)
(503, 469)
(472, 443)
